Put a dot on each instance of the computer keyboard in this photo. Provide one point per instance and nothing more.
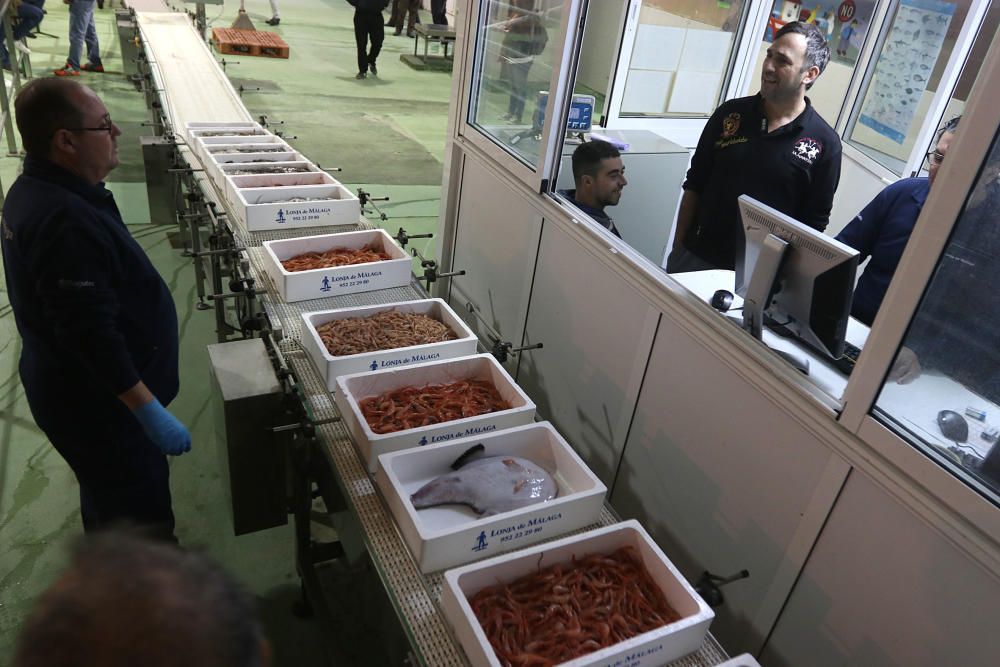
(845, 364)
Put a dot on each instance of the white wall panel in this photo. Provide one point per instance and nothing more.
(724, 478)
(883, 588)
(496, 240)
(597, 335)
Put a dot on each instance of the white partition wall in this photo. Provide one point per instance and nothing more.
(726, 477)
(883, 587)
(497, 253)
(596, 334)
(731, 458)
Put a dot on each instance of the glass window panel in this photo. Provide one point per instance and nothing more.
(846, 30)
(943, 393)
(515, 53)
(893, 107)
(682, 52)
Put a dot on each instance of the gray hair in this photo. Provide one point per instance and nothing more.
(817, 50)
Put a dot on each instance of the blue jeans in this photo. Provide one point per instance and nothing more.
(28, 17)
(81, 29)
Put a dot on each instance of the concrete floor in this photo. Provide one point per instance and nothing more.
(388, 135)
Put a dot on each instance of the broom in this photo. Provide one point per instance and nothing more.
(242, 21)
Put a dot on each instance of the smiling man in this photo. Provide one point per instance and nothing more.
(772, 146)
(98, 325)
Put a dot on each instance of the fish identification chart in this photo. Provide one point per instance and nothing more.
(907, 60)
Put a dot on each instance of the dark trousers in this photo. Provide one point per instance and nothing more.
(407, 9)
(123, 478)
(518, 78)
(438, 13)
(368, 27)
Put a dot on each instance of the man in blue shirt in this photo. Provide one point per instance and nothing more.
(884, 226)
(99, 350)
(599, 176)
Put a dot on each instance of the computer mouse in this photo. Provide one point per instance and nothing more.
(722, 300)
(953, 425)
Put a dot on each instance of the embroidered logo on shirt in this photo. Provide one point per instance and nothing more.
(808, 150)
(730, 125)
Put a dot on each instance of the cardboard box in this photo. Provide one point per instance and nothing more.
(650, 649)
(338, 280)
(450, 535)
(268, 208)
(352, 389)
(234, 183)
(331, 366)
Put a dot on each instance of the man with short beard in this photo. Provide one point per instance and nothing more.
(772, 146)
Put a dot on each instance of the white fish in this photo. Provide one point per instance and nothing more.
(489, 485)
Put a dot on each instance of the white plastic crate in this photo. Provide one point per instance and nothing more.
(744, 660)
(219, 161)
(656, 647)
(450, 535)
(338, 280)
(331, 366)
(352, 389)
(234, 183)
(263, 209)
(207, 142)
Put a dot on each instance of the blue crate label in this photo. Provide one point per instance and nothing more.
(301, 214)
(635, 658)
(521, 529)
(411, 359)
(358, 279)
(472, 430)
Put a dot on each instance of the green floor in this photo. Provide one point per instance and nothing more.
(387, 134)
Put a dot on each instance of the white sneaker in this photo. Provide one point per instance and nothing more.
(22, 47)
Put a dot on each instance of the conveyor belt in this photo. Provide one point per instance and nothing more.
(192, 85)
(192, 88)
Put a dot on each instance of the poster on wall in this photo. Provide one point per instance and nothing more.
(908, 57)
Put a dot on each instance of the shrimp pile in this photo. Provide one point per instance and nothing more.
(334, 257)
(410, 407)
(383, 331)
(564, 611)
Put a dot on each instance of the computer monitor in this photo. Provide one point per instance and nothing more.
(796, 276)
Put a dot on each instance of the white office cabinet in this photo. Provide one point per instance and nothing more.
(724, 478)
(596, 335)
(882, 587)
(655, 168)
(495, 244)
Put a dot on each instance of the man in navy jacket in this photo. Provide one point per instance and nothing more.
(97, 322)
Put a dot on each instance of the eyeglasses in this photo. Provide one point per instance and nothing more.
(935, 157)
(109, 128)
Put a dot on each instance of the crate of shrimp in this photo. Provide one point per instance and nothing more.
(389, 335)
(606, 597)
(473, 498)
(299, 206)
(400, 408)
(314, 267)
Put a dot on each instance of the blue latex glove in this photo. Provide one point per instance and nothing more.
(163, 428)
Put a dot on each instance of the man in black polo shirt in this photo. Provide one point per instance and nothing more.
(772, 146)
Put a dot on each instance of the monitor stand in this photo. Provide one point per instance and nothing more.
(758, 296)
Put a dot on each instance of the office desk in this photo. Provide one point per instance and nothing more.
(705, 283)
(916, 405)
